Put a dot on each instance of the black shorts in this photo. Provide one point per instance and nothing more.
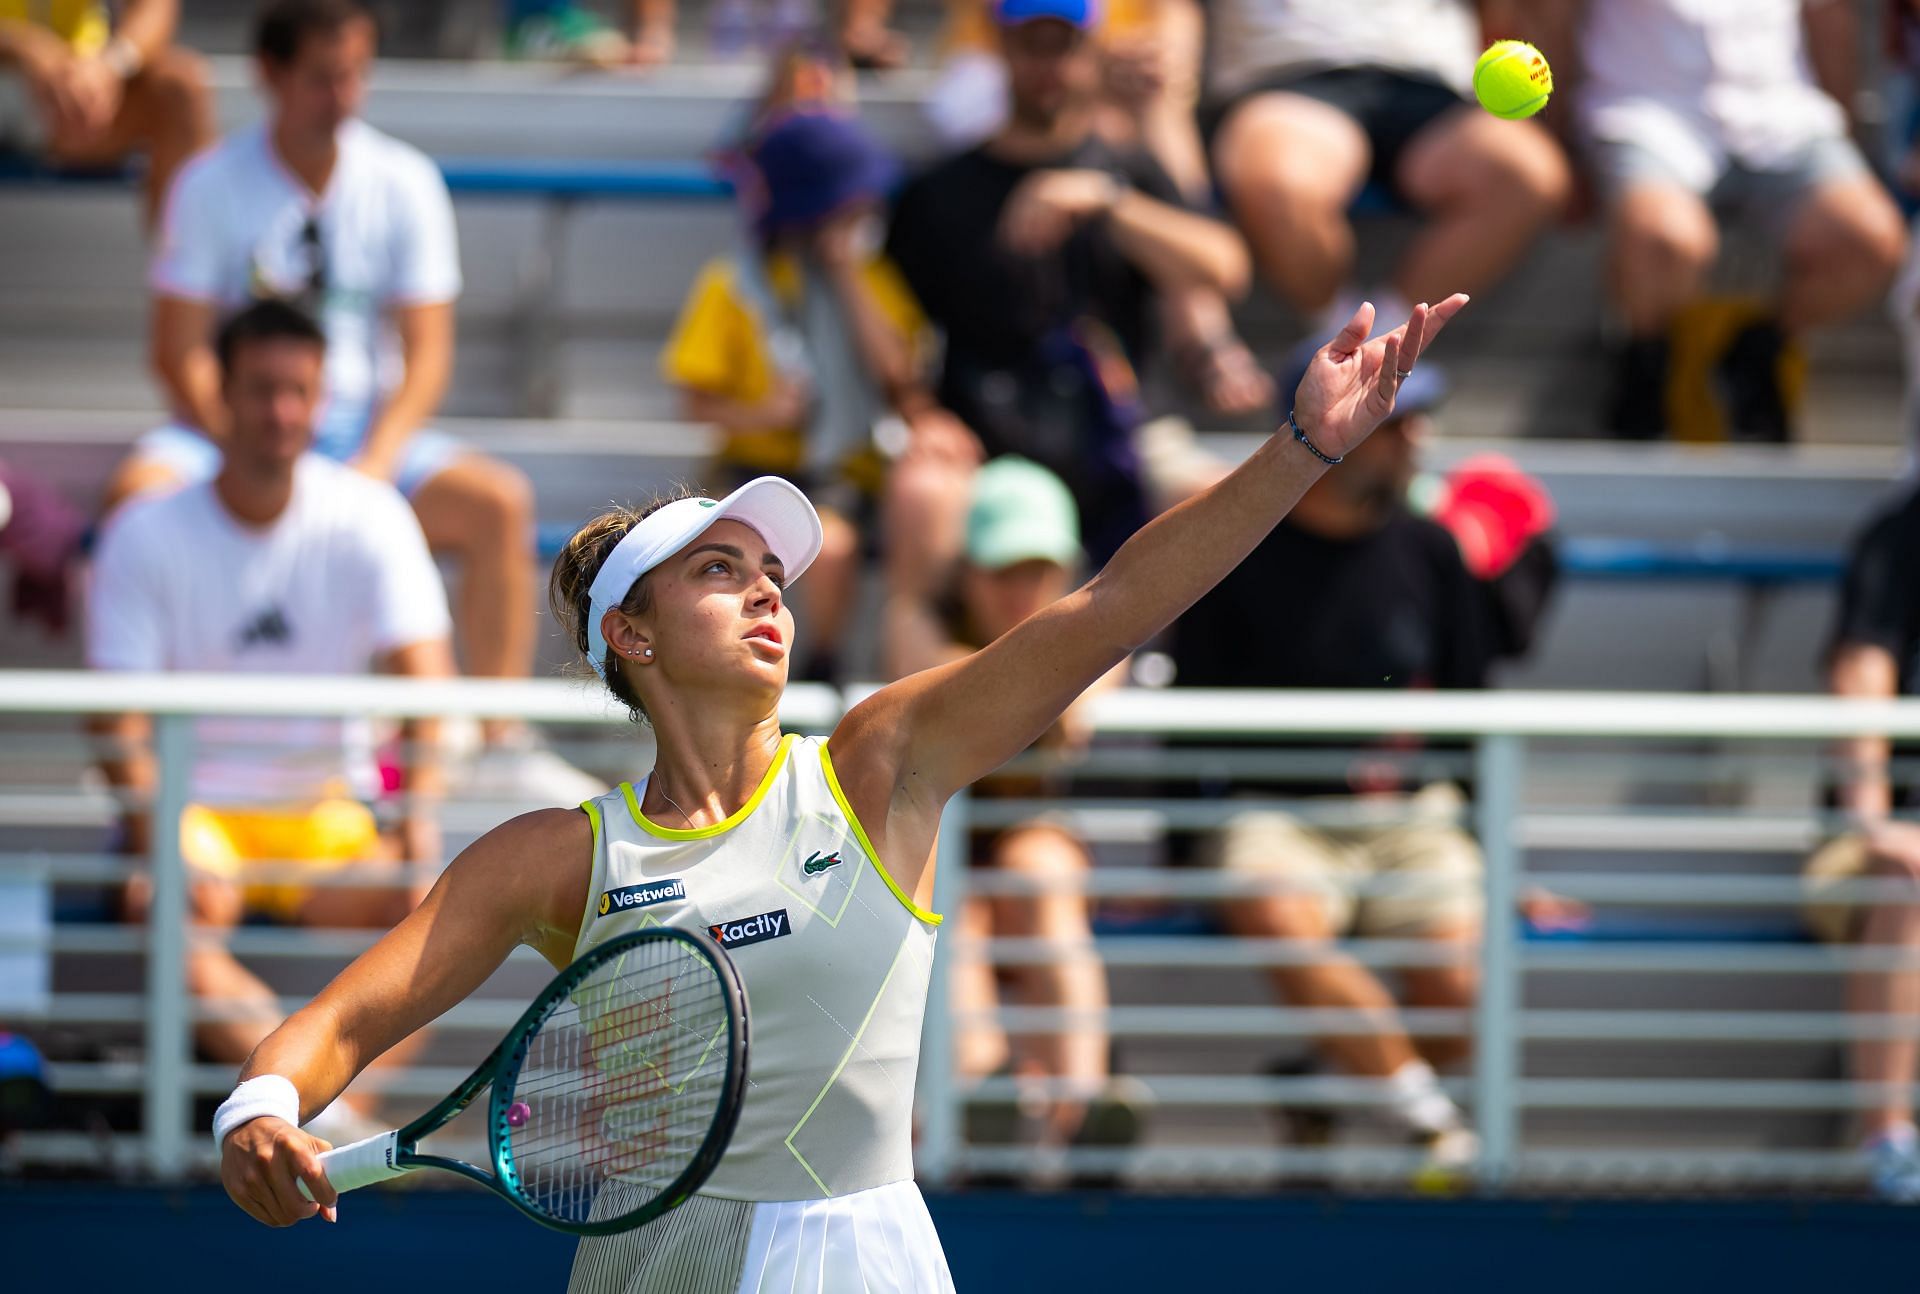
(1391, 107)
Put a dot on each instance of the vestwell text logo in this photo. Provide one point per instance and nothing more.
(628, 897)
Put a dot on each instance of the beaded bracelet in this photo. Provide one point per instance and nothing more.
(1312, 448)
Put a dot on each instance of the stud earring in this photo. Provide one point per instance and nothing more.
(647, 652)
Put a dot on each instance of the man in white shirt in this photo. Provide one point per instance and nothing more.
(1309, 100)
(316, 206)
(285, 564)
(1738, 108)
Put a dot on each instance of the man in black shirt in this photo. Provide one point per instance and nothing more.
(1876, 654)
(1039, 254)
(1353, 590)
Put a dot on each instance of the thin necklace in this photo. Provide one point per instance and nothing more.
(684, 815)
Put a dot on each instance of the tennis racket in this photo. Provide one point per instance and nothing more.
(612, 1098)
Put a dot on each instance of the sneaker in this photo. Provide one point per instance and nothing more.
(1893, 1164)
(1449, 1163)
(524, 772)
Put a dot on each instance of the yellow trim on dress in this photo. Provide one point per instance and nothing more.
(873, 855)
(590, 909)
(732, 820)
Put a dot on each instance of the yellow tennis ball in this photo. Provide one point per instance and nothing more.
(1512, 80)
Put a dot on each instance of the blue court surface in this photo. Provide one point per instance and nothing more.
(94, 1238)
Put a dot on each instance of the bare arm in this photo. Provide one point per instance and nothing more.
(27, 46)
(426, 343)
(1833, 48)
(886, 355)
(1172, 247)
(180, 350)
(1175, 248)
(921, 739)
(523, 882)
(783, 408)
(1862, 670)
(125, 745)
(653, 30)
(148, 26)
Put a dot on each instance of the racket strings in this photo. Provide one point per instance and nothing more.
(621, 1081)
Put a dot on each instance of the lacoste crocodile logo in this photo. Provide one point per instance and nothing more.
(818, 863)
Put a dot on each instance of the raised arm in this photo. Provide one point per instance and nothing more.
(934, 732)
(523, 882)
(180, 350)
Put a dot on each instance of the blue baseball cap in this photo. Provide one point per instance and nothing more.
(808, 165)
(1083, 14)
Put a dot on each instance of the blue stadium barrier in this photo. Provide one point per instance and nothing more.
(1633, 559)
(564, 178)
(91, 1237)
(476, 176)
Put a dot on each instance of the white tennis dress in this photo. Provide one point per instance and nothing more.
(815, 1194)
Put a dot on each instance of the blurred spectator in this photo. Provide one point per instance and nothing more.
(283, 564)
(563, 31)
(318, 207)
(1022, 552)
(83, 87)
(1149, 53)
(1042, 254)
(1353, 590)
(806, 345)
(1876, 655)
(1737, 109)
(866, 36)
(40, 535)
(1902, 50)
(1308, 101)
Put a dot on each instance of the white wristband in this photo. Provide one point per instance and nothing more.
(257, 1098)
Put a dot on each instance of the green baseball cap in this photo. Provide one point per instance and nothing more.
(1021, 512)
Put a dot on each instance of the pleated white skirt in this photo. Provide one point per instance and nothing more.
(878, 1241)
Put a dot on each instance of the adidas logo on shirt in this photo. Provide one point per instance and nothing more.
(269, 626)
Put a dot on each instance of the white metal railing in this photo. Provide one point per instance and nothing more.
(1518, 743)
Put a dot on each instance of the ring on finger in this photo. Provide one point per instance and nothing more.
(1403, 373)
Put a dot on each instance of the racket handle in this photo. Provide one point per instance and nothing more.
(361, 1163)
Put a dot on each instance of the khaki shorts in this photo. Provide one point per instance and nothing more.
(1420, 846)
(1844, 858)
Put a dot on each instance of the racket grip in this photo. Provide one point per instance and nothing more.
(361, 1163)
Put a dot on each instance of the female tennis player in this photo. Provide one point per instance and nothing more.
(810, 861)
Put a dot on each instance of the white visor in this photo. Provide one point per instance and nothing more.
(776, 510)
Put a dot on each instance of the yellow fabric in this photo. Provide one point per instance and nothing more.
(1701, 333)
(231, 842)
(83, 24)
(719, 347)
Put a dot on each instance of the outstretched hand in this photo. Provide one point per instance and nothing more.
(1350, 385)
